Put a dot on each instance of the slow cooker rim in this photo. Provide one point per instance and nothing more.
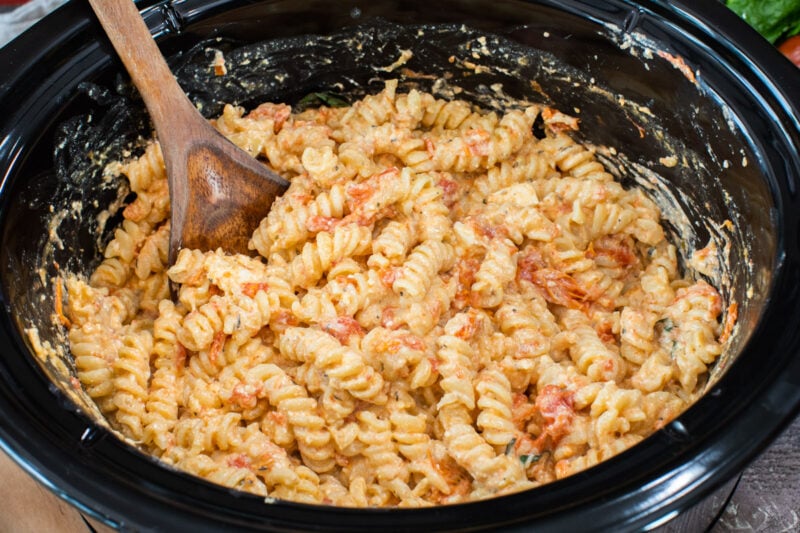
(789, 263)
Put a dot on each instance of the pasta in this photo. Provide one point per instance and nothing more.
(441, 308)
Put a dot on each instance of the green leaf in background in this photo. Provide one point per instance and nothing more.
(774, 19)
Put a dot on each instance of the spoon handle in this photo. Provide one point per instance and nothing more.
(168, 105)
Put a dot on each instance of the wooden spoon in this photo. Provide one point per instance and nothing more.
(218, 193)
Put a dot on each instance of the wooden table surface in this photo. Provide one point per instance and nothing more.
(765, 500)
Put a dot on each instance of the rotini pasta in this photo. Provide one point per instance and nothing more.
(441, 308)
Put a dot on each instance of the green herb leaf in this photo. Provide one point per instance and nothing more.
(774, 19)
(666, 324)
(322, 98)
(528, 460)
(510, 446)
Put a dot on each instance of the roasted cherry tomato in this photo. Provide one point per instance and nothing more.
(791, 49)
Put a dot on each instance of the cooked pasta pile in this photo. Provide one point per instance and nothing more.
(443, 307)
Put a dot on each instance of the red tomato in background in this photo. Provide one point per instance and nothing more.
(791, 49)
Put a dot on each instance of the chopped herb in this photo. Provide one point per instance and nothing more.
(666, 324)
(528, 460)
(322, 98)
(510, 446)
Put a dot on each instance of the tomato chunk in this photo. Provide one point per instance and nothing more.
(791, 49)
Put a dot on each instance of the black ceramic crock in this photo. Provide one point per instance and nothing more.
(722, 95)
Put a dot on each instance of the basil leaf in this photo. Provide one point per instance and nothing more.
(666, 324)
(774, 19)
(322, 98)
(528, 460)
(510, 446)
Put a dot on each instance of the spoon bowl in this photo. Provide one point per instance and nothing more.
(218, 192)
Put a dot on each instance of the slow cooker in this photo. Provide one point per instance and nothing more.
(652, 78)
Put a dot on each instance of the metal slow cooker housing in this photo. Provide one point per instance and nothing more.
(738, 118)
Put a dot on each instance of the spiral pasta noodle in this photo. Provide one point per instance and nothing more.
(442, 307)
